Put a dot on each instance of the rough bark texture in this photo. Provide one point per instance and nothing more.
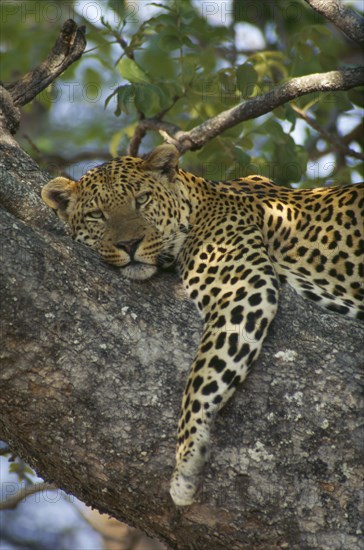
(344, 18)
(92, 371)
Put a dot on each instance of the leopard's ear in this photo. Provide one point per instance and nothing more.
(163, 159)
(58, 194)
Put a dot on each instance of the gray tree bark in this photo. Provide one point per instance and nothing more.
(92, 371)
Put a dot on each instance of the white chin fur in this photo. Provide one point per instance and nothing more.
(139, 272)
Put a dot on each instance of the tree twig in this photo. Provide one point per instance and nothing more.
(5, 450)
(344, 18)
(136, 140)
(12, 502)
(54, 161)
(355, 134)
(334, 140)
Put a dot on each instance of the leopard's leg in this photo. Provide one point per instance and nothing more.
(237, 311)
(346, 298)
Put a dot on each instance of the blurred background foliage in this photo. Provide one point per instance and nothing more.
(185, 61)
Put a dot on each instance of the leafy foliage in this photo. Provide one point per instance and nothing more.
(22, 470)
(185, 61)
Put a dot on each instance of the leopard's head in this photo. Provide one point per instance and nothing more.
(132, 211)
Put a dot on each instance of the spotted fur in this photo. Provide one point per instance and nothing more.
(232, 242)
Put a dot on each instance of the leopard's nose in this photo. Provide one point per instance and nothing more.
(129, 246)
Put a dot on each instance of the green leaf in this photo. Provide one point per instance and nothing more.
(157, 5)
(357, 96)
(146, 98)
(246, 79)
(188, 42)
(21, 469)
(290, 162)
(169, 42)
(150, 99)
(275, 131)
(304, 51)
(125, 99)
(341, 101)
(316, 32)
(124, 134)
(246, 143)
(109, 97)
(93, 77)
(129, 70)
(290, 116)
(168, 20)
(326, 61)
(29, 471)
(170, 89)
(241, 156)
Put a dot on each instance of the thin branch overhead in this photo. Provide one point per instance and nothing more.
(337, 143)
(344, 79)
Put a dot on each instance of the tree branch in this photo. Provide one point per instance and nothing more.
(136, 140)
(69, 47)
(56, 162)
(166, 129)
(344, 18)
(294, 88)
(5, 450)
(12, 502)
(92, 371)
(335, 141)
(344, 79)
(356, 134)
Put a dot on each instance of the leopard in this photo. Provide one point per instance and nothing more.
(232, 243)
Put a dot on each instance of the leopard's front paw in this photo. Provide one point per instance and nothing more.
(188, 472)
(183, 488)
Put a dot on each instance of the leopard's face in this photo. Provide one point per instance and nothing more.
(117, 214)
(116, 210)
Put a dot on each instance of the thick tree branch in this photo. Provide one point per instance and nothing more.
(19, 195)
(344, 79)
(294, 88)
(167, 129)
(92, 371)
(136, 140)
(9, 115)
(344, 18)
(69, 47)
